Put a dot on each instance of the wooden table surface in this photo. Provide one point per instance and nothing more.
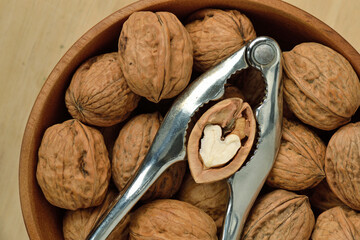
(34, 36)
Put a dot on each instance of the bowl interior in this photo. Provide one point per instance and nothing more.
(281, 21)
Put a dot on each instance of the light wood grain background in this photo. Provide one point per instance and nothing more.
(34, 36)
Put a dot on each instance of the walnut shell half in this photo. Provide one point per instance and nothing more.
(130, 149)
(342, 164)
(171, 219)
(216, 34)
(98, 93)
(300, 162)
(78, 224)
(73, 170)
(155, 53)
(337, 223)
(320, 86)
(280, 215)
(236, 119)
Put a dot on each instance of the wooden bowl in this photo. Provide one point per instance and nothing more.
(285, 23)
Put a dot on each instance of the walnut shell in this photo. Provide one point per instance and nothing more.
(224, 113)
(212, 198)
(300, 162)
(78, 224)
(171, 219)
(129, 151)
(342, 164)
(73, 169)
(323, 198)
(98, 93)
(251, 83)
(155, 53)
(280, 215)
(320, 86)
(337, 223)
(216, 34)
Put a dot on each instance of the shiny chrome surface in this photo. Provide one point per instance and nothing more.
(244, 186)
(168, 146)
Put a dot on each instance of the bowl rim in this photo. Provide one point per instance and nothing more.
(74, 53)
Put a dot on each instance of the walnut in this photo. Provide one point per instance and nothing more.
(337, 223)
(130, 149)
(78, 224)
(212, 198)
(98, 93)
(73, 169)
(155, 53)
(171, 219)
(300, 162)
(342, 164)
(221, 140)
(280, 215)
(322, 198)
(320, 86)
(216, 34)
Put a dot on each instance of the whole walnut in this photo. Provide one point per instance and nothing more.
(171, 219)
(73, 169)
(212, 198)
(98, 93)
(337, 223)
(322, 198)
(279, 215)
(342, 164)
(216, 34)
(300, 162)
(130, 149)
(78, 224)
(320, 86)
(155, 53)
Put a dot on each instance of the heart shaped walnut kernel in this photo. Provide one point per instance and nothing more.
(98, 93)
(337, 223)
(300, 162)
(342, 164)
(130, 149)
(73, 170)
(79, 223)
(216, 34)
(320, 86)
(280, 215)
(156, 55)
(171, 219)
(207, 162)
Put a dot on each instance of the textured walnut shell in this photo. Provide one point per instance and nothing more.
(337, 223)
(224, 113)
(73, 170)
(155, 53)
(79, 223)
(171, 219)
(130, 149)
(251, 83)
(98, 93)
(300, 162)
(212, 198)
(320, 86)
(280, 215)
(216, 34)
(323, 198)
(342, 164)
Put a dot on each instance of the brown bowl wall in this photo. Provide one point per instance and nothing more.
(285, 23)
